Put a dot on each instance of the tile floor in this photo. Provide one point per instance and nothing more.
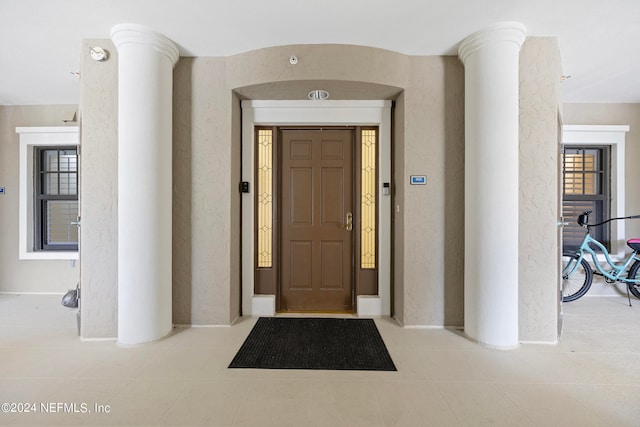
(592, 378)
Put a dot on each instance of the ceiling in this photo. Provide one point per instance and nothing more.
(40, 40)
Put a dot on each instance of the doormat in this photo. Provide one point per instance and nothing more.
(314, 343)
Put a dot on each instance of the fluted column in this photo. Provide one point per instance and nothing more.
(491, 61)
(145, 80)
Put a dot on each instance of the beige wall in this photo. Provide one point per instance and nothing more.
(26, 275)
(99, 192)
(206, 168)
(616, 114)
(203, 168)
(428, 140)
(433, 215)
(540, 71)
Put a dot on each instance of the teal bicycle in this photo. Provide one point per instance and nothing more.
(577, 274)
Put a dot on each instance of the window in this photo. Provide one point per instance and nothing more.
(369, 185)
(613, 137)
(586, 187)
(264, 178)
(48, 193)
(56, 198)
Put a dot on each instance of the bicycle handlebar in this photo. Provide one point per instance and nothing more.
(583, 220)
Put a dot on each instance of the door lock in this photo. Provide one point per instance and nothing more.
(349, 225)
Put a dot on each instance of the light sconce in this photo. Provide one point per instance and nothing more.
(98, 54)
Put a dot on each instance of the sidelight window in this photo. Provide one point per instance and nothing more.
(368, 181)
(264, 179)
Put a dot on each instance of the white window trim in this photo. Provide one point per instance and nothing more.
(31, 137)
(614, 136)
(283, 113)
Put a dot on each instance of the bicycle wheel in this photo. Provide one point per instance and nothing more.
(579, 282)
(633, 274)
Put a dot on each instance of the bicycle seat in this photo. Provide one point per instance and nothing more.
(634, 244)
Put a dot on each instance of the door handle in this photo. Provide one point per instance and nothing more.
(349, 225)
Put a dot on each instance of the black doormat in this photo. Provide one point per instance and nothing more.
(314, 343)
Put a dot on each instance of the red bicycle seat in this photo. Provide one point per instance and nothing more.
(634, 244)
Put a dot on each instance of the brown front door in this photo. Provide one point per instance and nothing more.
(317, 200)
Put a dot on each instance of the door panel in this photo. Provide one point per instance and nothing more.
(331, 268)
(332, 199)
(300, 267)
(300, 150)
(317, 193)
(333, 149)
(301, 197)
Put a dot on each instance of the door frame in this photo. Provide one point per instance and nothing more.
(316, 113)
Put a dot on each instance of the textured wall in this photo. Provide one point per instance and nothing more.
(433, 215)
(429, 140)
(540, 71)
(206, 169)
(317, 62)
(428, 128)
(203, 191)
(99, 192)
(26, 275)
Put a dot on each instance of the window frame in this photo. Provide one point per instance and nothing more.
(614, 136)
(31, 137)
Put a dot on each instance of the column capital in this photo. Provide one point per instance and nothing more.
(123, 34)
(509, 31)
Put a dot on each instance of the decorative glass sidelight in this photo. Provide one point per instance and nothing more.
(368, 200)
(264, 211)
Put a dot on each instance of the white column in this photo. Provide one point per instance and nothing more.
(491, 61)
(145, 80)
